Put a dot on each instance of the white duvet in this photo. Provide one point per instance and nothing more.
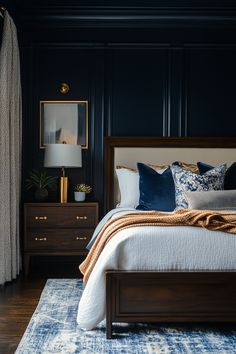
(153, 248)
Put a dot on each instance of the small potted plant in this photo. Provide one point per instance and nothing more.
(80, 191)
(41, 182)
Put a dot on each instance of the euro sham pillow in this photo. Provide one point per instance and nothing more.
(212, 200)
(128, 181)
(187, 181)
(230, 175)
(157, 190)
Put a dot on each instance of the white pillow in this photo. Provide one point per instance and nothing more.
(129, 187)
(128, 181)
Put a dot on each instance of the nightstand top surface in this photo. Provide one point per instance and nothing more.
(74, 204)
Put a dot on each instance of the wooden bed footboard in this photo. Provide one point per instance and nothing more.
(134, 296)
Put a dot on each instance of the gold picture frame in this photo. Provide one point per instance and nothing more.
(64, 122)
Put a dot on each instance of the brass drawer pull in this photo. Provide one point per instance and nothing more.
(41, 217)
(81, 217)
(80, 238)
(40, 238)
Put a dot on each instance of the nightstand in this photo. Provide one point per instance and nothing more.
(58, 229)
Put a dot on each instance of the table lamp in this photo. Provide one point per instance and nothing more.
(62, 156)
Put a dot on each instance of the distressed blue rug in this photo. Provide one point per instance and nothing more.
(53, 329)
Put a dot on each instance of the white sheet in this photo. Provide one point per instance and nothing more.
(114, 213)
(154, 248)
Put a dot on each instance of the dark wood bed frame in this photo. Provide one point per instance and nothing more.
(135, 296)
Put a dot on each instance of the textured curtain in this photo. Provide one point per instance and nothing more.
(10, 151)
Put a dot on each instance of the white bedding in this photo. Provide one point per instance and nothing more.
(154, 248)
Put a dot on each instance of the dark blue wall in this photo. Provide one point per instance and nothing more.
(153, 69)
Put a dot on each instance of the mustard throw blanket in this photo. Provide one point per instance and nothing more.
(211, 220)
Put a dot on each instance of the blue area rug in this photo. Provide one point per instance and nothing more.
(53, 329)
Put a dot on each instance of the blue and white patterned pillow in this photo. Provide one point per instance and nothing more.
(187, 181)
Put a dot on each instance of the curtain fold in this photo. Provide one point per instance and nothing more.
(10, 151)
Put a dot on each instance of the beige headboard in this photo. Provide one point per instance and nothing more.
(127, 151)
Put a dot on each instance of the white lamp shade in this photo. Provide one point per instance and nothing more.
(63, 155)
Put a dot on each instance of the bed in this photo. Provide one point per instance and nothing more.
(166, 296)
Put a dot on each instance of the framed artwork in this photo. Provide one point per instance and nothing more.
(64, 122)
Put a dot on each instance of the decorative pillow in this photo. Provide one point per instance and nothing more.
(212, 200)
(128, 181)
(157, 191)
(230, 175)
(203, 167)
(189, 166)
(187, 181)
(127, 168)
(159, 168)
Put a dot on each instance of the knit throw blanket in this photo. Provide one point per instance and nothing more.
(211, 220)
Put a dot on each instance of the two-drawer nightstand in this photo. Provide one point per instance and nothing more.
(58, 229)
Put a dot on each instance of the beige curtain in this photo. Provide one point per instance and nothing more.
(10, 151)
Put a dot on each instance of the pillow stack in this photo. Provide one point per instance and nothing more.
(181, 185)
(187, 181)
(230, 175)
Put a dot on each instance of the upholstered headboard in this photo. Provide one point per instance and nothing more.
(127, 151)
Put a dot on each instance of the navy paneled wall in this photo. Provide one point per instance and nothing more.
(146, 68)
(138, 91)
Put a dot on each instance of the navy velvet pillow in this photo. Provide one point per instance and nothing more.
(230, 175)
(157, 191)
(203, 167)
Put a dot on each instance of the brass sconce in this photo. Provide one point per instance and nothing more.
(64, 88)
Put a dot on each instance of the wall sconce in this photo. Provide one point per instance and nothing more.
(64, 88)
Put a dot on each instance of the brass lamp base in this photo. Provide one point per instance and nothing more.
(63, 189)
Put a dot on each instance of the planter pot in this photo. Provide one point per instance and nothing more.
(79, 196)
(41, 194)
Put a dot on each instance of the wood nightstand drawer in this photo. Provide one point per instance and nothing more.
(58, 229)
(59, 239)
(63, 216)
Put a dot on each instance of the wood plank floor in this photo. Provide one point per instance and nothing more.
(18, 300)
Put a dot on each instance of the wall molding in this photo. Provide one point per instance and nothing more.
(128, 46)
(121, 14)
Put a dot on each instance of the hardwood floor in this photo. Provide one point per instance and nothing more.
(17, 304)
(18, 299)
